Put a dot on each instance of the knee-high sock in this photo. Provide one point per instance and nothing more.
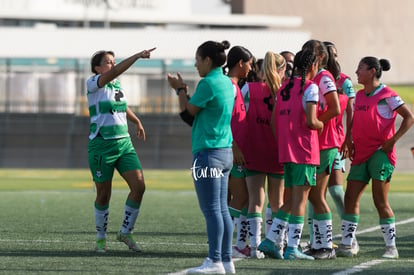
(349, 227)
(337, 194)
(295, 230)
(310, 223)
(130, 216)
(235, 215)
(268, 217)
(322, 231)
(242, 231)
(101, 220)
(255, 228)
(388, 230)
(279, 227)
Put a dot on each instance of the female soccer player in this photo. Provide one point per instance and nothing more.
(239, 64)
(371, 143)
(110, 145)
(296, 111)
(261, 148)
(328, 144)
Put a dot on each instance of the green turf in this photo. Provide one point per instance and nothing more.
(70, 179)
(406, 92)
(51, 231)
(64, 179)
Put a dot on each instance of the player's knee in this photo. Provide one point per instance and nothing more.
(139, 187)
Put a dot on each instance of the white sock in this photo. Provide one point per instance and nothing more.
(294, 235)
(277, 232)
(268, 217)
(130, 217)
(348, 232)
(316, 239)
(242, 232)
(325, 233)
(235, 215)
(255, 230)
(310, 223)
(389, 234)
(101, 222)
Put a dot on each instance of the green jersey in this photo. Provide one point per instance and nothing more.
(211, 126)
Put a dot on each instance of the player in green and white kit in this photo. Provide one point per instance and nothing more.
(110, 145)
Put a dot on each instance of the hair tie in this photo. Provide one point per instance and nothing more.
(281, 65)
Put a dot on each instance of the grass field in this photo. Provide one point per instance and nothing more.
(47, 227)
(405, 91)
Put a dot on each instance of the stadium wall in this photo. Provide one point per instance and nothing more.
(61, 141)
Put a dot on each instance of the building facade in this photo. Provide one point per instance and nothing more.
(380, 28)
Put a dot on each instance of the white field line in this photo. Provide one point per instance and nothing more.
(366, 265)
(361, 267)
(368, 230)
(351, 270)
(355, 269)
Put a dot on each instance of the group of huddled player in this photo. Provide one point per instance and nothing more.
(288, 127)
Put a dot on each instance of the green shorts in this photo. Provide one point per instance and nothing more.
(238, 171)
(377, 167)
(327, 158)
(106, 155)
(299, 174)
(272, 175)
(339, 163)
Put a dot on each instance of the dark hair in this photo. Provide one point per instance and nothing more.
(97, 58)
(215, 51)
(257, 68)
(332, 65)
(236, 54)
(287, 52)
(259, 64)
(318, 49)
(379, 65)
(252, 75)
(289, 63)
(303, 60)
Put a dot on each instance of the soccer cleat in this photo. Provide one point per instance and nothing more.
(305, 247)
(347, 251)
(391, 252)
(100, 245)
(256, 254)
(128, 239)
(241, 253)
(229, 267)
(355, 247)
(292, 253)
(324, 254)
(269, 249)
(208, 267)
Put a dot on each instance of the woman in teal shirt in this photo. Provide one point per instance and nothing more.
(209, 113)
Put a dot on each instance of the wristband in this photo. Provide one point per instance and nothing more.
(181, 89)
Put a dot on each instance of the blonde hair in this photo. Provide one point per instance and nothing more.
(272, 63)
